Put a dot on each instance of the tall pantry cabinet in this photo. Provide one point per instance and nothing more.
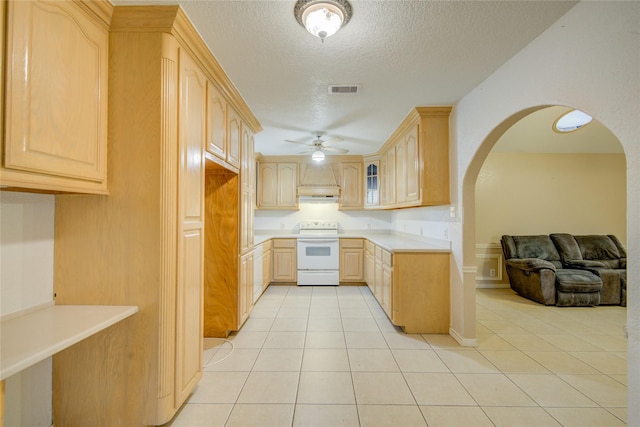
(144, 243)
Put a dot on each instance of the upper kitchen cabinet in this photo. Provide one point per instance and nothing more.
(216, 123)
(55, 112)
(351, 196)
(277, 185)
(414, 162)
(372, 182)
(234, 132)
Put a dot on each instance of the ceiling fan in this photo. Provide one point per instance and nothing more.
(318, 147)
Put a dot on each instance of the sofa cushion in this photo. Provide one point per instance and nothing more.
(570, 280)
(600, 248)
(537, 246)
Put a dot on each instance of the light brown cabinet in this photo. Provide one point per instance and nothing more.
(216, 123)
(372, 182)
(234, 133)
(145, 243)
(55, 113)
(414, 162)
(245, 290)
(285, 261)
(267, 264)
(351, 260)
(411, 287)
(352, 191)
(277, 185)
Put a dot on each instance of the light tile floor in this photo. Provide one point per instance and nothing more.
(327, 356)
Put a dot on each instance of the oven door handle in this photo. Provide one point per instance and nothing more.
(317, 240)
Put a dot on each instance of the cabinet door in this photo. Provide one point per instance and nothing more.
(245, 291)
(372, 183)
(352, 189)
(287, 185)
(285, 266)
(267, 265)
(267, 185)
(190, 281)
(412, 168)
(56, 98)
(390, 177)
(401, 172)
(234, 129)
(216, 122)
(386, 296)
(351, 265)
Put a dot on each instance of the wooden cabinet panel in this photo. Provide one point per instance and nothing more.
(245, 291)
(389, 177)
(287, 183)
(412, 166)
(285, 261)
(267, 185)
(56, 98)
(277, 185)
(216, 122)
(351, 196)
(234, 129)
(267, 264)
(351, 260)
(401, 172)
(188, 370)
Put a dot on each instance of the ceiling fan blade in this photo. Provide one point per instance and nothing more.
(297, 142)
(310, 150)
(332, 141)
(335, 150)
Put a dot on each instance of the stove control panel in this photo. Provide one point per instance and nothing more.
(319, 225)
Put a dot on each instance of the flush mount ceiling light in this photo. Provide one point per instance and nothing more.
(573, 120)
(322, 18)
(317, 155)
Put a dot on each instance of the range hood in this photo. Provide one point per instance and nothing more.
(318, 184)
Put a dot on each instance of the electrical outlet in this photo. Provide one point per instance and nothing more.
(492, 272)
(446, 233)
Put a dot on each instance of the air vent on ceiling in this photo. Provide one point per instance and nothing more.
(343, 89)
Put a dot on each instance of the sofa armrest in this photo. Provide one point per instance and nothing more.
(579, 263)
(530, 264)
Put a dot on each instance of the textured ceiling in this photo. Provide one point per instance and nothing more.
(402, 53)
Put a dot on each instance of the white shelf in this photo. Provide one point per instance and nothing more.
(32, 337)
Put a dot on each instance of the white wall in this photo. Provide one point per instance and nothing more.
(287, 221)
(589, 59)
(26, 280)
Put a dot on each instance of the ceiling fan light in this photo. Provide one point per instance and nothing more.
(322, 18)
(317, 156)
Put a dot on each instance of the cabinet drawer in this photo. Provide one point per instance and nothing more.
(352, 243)
(369, 247)
(266, 246)
(284, 243)
(378, 253)
(386, 257)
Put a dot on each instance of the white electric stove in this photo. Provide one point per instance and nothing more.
(318, 254)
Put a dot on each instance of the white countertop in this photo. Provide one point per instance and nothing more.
(389, 241)
(35, 335)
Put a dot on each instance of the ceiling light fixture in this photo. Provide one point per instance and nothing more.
(317, 155)
(322, 18)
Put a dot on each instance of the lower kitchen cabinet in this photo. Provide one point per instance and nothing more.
(245, 289)
(284, 261)
(411, 287)
(267, 264)
(351, 260)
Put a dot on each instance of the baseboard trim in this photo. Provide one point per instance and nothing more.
(464, 342)
(492, 285)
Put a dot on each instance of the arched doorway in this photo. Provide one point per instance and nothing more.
(471, 203)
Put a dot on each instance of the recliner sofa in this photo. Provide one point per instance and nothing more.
(602, 255)
(536, 272)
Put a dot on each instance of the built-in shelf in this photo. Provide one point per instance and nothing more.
(33, 336)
